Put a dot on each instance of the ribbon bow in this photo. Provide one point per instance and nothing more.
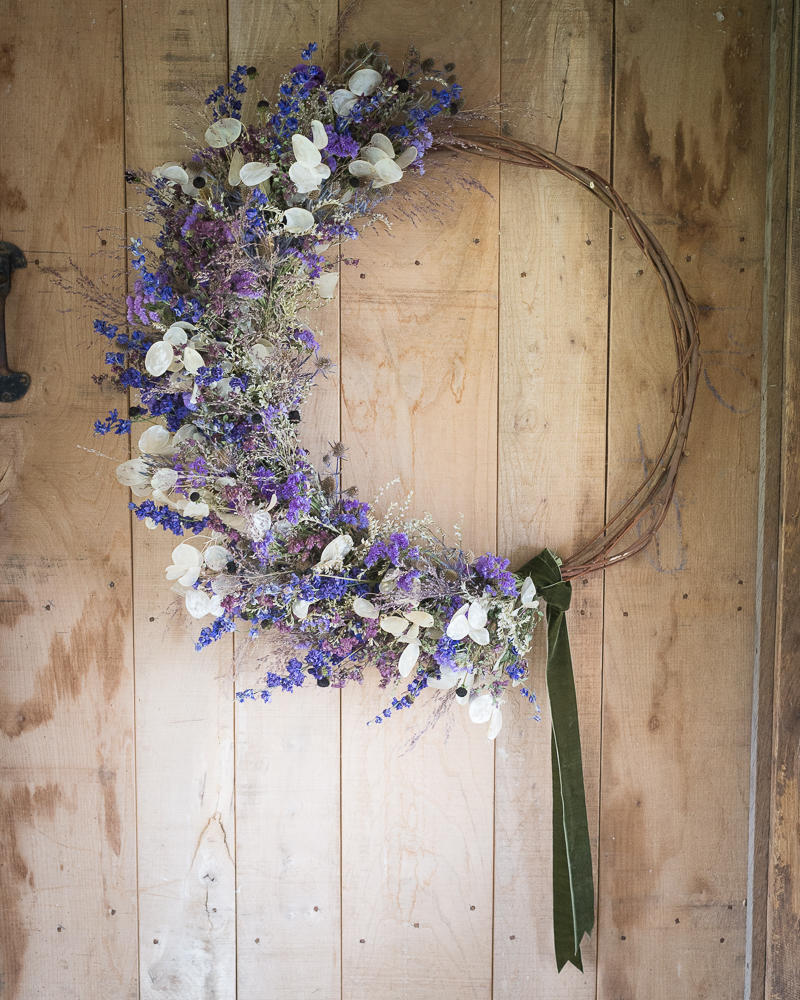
(573, 886)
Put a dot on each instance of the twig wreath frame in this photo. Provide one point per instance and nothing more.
(215, 338)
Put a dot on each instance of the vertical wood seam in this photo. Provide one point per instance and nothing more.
(228, 61)
(338, 49)
(497, 459)
(611, 149)
(131, 528)
(766, 616)
(773, 906)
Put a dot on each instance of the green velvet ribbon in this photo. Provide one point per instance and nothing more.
(573, 886)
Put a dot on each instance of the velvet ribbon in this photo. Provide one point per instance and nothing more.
(573, 885)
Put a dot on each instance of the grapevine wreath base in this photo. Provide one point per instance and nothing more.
(216, 341)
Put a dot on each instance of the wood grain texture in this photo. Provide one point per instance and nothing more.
(67, 835)
(690, 153)
(184, 699)
(419, 403)
(784, 879)
(287, 753)
(551, 485)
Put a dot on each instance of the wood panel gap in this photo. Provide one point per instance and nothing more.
(498, 417)
(783, 900)
(769, 485)
(611, 151)
(131, 526)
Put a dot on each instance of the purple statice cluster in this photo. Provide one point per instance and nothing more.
(498, 577)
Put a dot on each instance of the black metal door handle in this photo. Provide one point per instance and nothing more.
(13, 385)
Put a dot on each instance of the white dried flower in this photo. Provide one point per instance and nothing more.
(308, 171)
(325, 285)
(365, 609)
(469, 620)
(156, 440)
(298, 221)
(223, 132)
(333, 554)
(186, 563)
(252, 174)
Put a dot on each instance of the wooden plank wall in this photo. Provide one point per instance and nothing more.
(509, 363)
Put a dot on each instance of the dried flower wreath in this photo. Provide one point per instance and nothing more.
(218, 347)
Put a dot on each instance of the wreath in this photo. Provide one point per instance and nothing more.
(216, 341)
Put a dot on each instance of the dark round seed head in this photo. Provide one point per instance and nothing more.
(403, 86)
(199, 182)
(262, 104)
(294, 416)
(252, 71)
(231, 567)
(194, 496)
(134, 411)
(265, 623)
(191, 282)
(256, 419)
(353, 182)
(461, 692)
(454, 108)
(449, 67)
(323, 682)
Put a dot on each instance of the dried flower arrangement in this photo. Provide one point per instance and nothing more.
(218, 347)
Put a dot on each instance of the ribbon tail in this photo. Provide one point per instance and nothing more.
(573, 884)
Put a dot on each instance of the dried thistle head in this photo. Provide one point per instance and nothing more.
(328, 485)
(339, 450)
(322, 364)
(351, 491)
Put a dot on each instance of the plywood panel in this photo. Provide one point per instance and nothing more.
(287, 753)
(690, 146)
(67, 844)
(551, 487)
(419, 371)
(184, 699)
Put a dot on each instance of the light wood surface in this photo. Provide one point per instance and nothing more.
(287, 753)
(184, 699)
(419, 404)
(551, 487)
(679, 622)
(505, 356)
(68, 902)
